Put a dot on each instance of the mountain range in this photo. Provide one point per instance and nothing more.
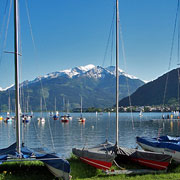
(95, 84)
(163, 90)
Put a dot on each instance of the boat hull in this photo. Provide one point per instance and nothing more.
(152, 160)
(97, 163)
(172, 152)
(152, 164)
(56, 117)
(64, 120)
(82, 119)
(58, 173)
(99, 157)
(58, 166)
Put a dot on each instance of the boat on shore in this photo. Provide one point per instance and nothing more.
(99, 156)
(163, 144)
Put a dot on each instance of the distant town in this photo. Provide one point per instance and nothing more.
(157, 108)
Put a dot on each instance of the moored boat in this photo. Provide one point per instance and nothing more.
(81, 119)
(163, 144)
(64, 119)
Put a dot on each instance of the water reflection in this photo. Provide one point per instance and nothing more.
(171, 125)
(61, 137)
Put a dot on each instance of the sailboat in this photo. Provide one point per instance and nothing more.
(59, 167)
(64, 118)
(141, 113)
(56, 115)
(68, 114)
(81, 119)
(102, 156)
(41, 118)
(26, 117)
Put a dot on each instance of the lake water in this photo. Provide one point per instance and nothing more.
(62, 137)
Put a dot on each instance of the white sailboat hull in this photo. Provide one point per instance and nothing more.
(70, 118)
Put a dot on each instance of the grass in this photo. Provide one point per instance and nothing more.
(36, 170)
(27, 170)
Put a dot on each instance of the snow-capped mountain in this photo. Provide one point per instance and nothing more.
(112, 69)
(90, 71)
(94, 83)
(1, 89)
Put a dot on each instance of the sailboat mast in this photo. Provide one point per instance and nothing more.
(117, 68)
(41, 105)
(55, 104)
(16, 18)
(9, 103)
(81, 106)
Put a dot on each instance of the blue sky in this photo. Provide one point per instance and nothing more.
(69, 33)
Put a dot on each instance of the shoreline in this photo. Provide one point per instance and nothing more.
(34, 170)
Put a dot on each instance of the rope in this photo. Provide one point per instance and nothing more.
(38, 137)
(112, 45)
(6, 31)
(178, 89)
(111, 35)
(30, 26)
(27, 10)
(127, 83)
(108, 125)
(48, 118)
(171, 51)
(4, 16)
(159, 132)
(110, 32)
(178, 67)
(118, 165)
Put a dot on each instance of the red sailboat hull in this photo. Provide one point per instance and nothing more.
(64, 120)
(152, 164)
(98, 156)
(149, 159)
(96, 163)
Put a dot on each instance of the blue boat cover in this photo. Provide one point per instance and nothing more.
(51, 159)
(54, 161)
(167, 142)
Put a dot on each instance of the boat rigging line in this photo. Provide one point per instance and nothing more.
(41, 85)
(6, 29)
(125, 69)
(111, 35)
(30, 26)
(171, 52)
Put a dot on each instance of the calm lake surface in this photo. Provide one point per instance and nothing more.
(62, 137)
